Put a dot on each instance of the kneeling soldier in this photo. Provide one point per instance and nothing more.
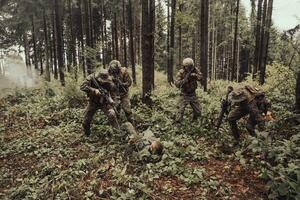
(186, 81)
(100, 90)
(244, 101)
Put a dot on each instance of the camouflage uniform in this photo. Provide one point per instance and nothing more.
(140, 144)
(244, 101)
(99, 102)
(123, 81)
(188, 91)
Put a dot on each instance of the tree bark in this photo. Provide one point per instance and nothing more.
(54, 46)
(47, 70)
(82, 63)
(298, 93)
(36, 66)
(148, 30)
(59, 37)
(116, 36)
(266, 42)
(131, 41)
(258, 39)
(204, 41)
(235, 43)
(172, 43)
(124, 35)
(88, 35)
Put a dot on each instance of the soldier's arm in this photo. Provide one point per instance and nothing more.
(127, 80)
(86, 86)
(179, 79)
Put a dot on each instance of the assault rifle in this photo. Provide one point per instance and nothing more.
(224, 108)
(187, 76)
(104, 92)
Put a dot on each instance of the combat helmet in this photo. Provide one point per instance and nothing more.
(188, 63)
(114, 67)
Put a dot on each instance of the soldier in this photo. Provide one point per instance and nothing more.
(244, 101)
(100, 90)
(145, 146)
(186, 81)
(123, 81)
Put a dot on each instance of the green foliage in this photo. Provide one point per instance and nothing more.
(57, 162)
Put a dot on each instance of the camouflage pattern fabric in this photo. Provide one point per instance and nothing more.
(247, 100)
(188, 94)
(99, 102)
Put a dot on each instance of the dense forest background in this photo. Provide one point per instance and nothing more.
(43, 155)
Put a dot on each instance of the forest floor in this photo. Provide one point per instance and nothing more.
(44, 155)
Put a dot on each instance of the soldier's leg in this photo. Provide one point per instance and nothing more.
(111, 115)
(196, 106)
(88, 117)
(254, 118)
(234, 115)
(125, 103)
(182, 103)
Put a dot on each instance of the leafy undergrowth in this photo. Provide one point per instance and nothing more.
(44, 156)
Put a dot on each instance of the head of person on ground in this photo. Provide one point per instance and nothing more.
(144, 145)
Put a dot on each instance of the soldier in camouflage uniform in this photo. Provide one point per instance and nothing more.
(99, 100)
(144, 146)
(186, 81)
(123, 81)
(244, 101)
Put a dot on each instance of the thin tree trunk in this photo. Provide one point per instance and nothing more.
(235, 43)
(204, 41)
(81, 38)
(54, 47)
(258, 39)
(36, 66)
(131, 41)
(88, 35)
(298, 93)
(59, 37)
(180, 38)
(168, 40)
(124, 35)
(116, 36)
(172, 43)
(47, 70)
(266, 42)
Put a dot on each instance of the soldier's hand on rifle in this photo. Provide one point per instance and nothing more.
(97, 92)
(195, 75)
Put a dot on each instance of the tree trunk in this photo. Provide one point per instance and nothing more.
(258, 39)
(116, 36)
(168, 43)
(36, 66)
(81, 38)
(73, 41)
(88, 35)
(204, 41)
(172, 43)
(266, 42)
(235, 43)
(59, 38)
(47, 70)
(54, 46)
(148, 30)
(124, 35)
(180, 38)
(298, 93)
(131, 41)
